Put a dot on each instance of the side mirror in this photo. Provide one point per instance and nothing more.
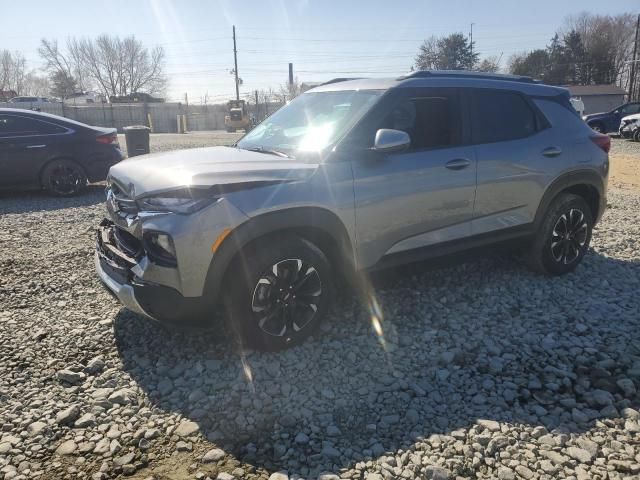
(388, 140)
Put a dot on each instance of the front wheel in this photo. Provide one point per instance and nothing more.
(280, 289)
(564, 236)
(636, 135)
(64, 178)
(597, 127)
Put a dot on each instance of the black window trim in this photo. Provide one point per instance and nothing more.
(541, 122)
(67, 131)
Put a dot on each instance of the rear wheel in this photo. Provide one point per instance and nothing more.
(64, 178)
(564, 236)
(636, 135)
(278, 293)
(597, 127)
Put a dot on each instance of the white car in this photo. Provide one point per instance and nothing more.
(31, 101)
(630, 127)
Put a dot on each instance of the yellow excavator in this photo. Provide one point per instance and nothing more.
(237, 116)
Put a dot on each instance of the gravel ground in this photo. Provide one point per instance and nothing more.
(479, 370)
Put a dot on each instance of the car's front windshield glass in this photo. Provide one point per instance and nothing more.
(310, 122)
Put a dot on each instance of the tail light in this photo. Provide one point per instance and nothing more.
(108, 139)
(603, 141)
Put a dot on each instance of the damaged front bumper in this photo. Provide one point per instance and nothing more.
(114, 268)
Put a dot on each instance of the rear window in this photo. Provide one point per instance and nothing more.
(498, 116)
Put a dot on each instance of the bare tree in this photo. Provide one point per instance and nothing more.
(289, 91)
(13, 70)
(35, 85)
(116, 66)
(489, 64)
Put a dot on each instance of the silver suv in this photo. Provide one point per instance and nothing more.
(351, 176)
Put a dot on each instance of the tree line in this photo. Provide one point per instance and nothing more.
(587, 49)
(111, 65)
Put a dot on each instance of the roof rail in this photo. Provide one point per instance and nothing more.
(341, 79)
(466, 74)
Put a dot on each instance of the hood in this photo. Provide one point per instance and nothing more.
(631, 118)
(203, 168)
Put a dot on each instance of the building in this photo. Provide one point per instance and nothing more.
(598, 98)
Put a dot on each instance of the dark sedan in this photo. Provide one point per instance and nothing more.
(38, 150)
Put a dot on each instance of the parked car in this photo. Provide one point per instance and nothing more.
(38, 150)
(31, 101)
(138, 97)
(83, 98)
(609, 122)
(349, 177)
(629, 126)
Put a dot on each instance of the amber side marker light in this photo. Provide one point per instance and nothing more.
(220, 239)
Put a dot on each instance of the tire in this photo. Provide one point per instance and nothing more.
(231, 130)
(261, 305)
(636, 135)
(64, 178)
(554, 252)
(597, 127)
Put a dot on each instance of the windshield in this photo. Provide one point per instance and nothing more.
(310, 122)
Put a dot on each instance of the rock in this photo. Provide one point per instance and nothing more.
(68, 415)
(186, 429)
(95, 365)
(183, 446)
(505, 473)
(5, 447)
(67, 448)
(579, 454)
(124, 396)
(328, 476)
(579, 417)
(124, 459)
(213, 455)
(288, 421)
(627, 386)
(600, 398)
(86, 420)
(36, 428)
(490, 425)
(225, 476)
(524, 472)
(301, 438)
(555, 457)
(437, 473)
(279, 476)
(71, 377)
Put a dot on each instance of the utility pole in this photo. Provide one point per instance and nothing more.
(632, 75)
(235, 63)
(290, 74)
(256, 110)
(471, 39)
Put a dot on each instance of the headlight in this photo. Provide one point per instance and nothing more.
(175, 202)
(160, 249)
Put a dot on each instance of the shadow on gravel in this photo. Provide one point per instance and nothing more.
(39, 200)
(483, 340)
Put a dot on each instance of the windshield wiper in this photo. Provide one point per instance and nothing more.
(269, 151)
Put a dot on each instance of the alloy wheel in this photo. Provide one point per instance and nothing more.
(569, 236)
(286, 298)
(65, 179)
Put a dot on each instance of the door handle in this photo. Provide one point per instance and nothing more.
(551, 152)
(457, 164)
(36, 146)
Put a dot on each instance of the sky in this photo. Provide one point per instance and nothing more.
(323, 39)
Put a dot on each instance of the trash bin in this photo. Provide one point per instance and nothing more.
(137, 138)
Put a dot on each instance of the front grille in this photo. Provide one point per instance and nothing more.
(235, 116)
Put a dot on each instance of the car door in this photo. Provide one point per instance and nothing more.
(423, 195)
(24, 147)
(518, 157)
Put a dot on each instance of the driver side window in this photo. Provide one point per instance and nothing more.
(630, 109)
(426, 119)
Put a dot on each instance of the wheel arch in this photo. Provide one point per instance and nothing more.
(318, 225)
(587, 184)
